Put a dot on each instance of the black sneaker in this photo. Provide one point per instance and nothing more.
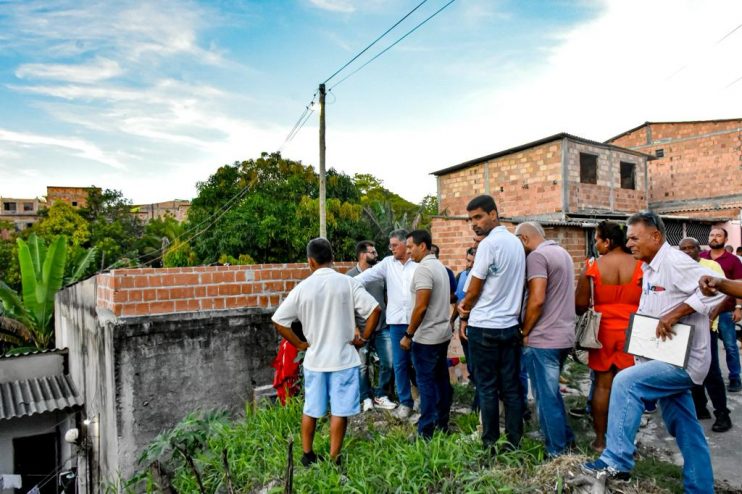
(703, 413)
(600, 469)
(723, 423)
(309, 458)
(735, 386)
(579, 412)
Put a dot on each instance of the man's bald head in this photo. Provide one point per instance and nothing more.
(531, 234)
(692, 247)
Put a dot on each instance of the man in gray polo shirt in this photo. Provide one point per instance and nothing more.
(548, 330)
(428, 334)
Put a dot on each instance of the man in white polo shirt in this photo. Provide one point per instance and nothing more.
(326, 304)
(491, 308)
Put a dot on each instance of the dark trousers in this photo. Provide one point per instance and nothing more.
(434, 386)
(495, 356)
(714, 384)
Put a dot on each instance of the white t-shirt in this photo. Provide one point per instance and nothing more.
(398, 278)
(326, 304)
(501, 262)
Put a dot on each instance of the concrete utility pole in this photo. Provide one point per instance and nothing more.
(322, 178)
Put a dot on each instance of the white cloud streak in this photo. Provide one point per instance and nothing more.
(99, 70)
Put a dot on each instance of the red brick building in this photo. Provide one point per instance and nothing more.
(74, 196)
(697, 170)
(566, 183)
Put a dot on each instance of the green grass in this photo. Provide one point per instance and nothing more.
(380, 455)
(665, 475)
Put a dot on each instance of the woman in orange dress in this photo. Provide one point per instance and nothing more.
(616, 277)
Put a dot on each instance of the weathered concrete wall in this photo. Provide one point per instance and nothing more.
(167, 366)
(88, 335)
(146, 347)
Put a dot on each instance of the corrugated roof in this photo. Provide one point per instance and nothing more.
(539, 142)
(40, 395)
(35, 352)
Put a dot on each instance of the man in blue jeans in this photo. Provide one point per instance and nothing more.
(397, 271)
(380, 340)
(732, 270)
(548, 330)
(670, 292)
(428, 335)
(491, 307)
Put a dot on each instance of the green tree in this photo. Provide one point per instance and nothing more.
(114, 230)
(260, 208)
(63, 219)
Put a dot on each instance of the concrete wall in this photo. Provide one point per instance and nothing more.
(148, 346)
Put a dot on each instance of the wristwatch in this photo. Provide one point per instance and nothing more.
(408, 335)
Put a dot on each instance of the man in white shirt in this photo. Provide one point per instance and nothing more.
(671, 294)
(397, 271)
(491, 308)
(428, 335)
(327, 304)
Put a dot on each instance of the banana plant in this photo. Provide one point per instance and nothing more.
(42, 276)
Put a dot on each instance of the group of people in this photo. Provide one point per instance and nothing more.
(516, 304)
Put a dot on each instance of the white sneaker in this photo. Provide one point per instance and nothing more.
(403, 412)
(368, 405)
(416, 405)
(385, 403)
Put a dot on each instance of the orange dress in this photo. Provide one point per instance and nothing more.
(615, 303)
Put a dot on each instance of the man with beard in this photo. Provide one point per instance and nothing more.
(732, 270)
(380, 339)
(492, 307)
(714, 382)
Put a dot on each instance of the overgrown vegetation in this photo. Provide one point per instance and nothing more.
(209, 453)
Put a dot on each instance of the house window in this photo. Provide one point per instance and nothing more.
(28, 206)
(9, 206)
(628, 171)
(660, 153)
(74, 203)
(588, 168)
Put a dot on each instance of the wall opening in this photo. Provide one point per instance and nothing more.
(588, 168)
(628, 174)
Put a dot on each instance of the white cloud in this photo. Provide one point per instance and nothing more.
(79, 147)
(343, 6)
(99, 70)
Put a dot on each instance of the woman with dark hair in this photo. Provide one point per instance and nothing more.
(616, 278)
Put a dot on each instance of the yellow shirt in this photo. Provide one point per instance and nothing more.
(716, 267)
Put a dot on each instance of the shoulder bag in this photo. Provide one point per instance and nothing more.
(588, 324)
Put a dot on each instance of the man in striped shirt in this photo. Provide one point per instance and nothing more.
(671, 294)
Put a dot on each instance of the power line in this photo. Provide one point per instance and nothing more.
(374, 42)
(728, 34)
(295, 129)
(391, 46)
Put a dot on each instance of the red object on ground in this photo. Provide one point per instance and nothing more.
(286, 377)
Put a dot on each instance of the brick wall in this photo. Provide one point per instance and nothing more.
(454, 236)
(702, 162)
(74, 196)
(526, 182)
(149, 291)
(607, 193)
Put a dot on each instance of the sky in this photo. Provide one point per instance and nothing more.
(150, 98)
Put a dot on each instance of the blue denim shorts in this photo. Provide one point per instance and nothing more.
(340, 389)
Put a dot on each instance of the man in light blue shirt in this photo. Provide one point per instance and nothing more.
(491, 308)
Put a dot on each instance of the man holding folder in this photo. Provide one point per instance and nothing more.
(670, 292)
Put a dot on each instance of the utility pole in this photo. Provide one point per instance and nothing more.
(322, 177)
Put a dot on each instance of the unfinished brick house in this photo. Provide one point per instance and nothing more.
(566, 183)
(697, 169)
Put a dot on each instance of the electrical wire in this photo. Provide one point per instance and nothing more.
(374, 42)
(392, 45)
(295, 129)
